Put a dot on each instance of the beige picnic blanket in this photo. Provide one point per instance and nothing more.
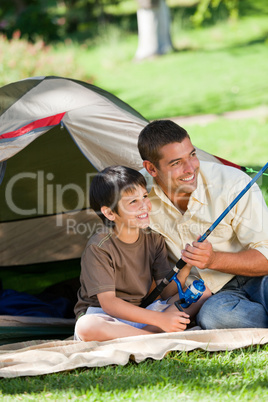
(44, 357)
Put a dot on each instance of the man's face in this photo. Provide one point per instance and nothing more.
(178, 168)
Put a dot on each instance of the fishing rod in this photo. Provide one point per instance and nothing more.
(180, 263)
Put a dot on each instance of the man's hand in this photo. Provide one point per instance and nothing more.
(199, 254)
(249, 262)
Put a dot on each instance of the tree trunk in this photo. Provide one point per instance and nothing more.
(153, 29)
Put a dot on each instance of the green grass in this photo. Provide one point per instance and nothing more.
(240, 375)
(215, 69)
(244, 141)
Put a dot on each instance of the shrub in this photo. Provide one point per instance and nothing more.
(20, 59)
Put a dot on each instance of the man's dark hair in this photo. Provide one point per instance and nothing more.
(107, 186)
(157, 134)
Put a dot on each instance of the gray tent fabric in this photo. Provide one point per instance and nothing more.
(97, 120)
(55, 133)
(42, 357)
(86, 128)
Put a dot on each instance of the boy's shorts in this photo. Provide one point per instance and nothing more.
(157, 305)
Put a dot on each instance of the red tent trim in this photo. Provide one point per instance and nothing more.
(45, 122)
(228, 163)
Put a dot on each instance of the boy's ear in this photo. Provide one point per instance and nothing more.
(150, 167)
(108, 213)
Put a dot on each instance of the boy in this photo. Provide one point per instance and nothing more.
(120, 264)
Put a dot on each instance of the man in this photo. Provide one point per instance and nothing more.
(187, 197)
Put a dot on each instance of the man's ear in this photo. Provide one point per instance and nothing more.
(108, 213)
(150, 167)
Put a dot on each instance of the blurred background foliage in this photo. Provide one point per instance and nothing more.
(57, 20)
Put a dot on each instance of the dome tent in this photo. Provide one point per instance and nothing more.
(55, 133)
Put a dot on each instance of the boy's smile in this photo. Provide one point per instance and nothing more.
(133, 213)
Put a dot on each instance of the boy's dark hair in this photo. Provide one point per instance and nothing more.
(107, 186)
(157, 134)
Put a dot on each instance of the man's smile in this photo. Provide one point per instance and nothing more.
(189, 178)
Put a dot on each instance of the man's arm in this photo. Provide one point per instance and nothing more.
(247, 262)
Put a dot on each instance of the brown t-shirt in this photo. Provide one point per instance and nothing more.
(108, 264)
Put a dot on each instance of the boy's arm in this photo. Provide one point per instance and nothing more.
(171, 289)
(168, 322)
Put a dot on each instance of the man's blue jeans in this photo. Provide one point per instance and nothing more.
(241, 303)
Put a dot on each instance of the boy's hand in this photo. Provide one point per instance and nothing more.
(173, 321)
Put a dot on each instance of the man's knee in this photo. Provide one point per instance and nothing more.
(230, 310)
(220, 311)
(206, 317)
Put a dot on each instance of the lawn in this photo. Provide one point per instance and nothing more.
(218, 68)
(215, 69)
(243, 141)
(240, 375)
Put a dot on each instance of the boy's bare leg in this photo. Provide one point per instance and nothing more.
(94, 328)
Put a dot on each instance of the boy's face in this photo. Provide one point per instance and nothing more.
(133, 209)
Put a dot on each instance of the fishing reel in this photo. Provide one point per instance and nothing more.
(192, 294)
